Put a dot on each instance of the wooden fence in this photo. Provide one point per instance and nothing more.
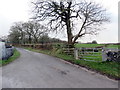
(68, 51)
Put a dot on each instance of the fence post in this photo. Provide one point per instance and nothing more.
(76, 53)
(104, 56)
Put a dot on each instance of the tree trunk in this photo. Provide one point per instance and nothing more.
(36, 40)
(68, 24)
(69, 32)
(30, 40)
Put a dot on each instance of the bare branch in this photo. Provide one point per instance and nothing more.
(59, 14)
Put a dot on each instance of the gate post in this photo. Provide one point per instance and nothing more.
(76, 53)
(104, 56)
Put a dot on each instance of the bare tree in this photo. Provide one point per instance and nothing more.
(18, 27)
(14, 35)
(26, 32)
(63, 14)
(34, 30)
(28, 28)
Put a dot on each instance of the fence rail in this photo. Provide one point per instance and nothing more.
(89, 54)
(94, 54)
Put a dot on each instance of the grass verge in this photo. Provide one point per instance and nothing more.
(110, 69)
(12, 58)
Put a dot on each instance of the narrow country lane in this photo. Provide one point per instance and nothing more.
(35, 70)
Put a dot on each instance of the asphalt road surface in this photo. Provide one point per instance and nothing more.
(35, 70)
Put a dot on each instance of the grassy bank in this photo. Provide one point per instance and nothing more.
(110, 69)
(12, 58)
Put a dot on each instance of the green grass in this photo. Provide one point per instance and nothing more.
(109, 69)
(88, 45)
(114, 46)
(12, 58)
(95, 45)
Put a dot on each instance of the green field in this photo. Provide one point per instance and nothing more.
(114, 46)
(95, 45)
(88, 45)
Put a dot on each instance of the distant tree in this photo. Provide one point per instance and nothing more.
(4, 38)
(34, 30)
(55, 40)
(28, 27)
(14, 35)
(63, 14)
(26, 32)
(44, 38)
(94, 42)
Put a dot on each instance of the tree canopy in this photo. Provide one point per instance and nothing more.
(26, 32)
(63, 15)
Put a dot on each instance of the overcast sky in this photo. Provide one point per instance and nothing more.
(19, 10)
